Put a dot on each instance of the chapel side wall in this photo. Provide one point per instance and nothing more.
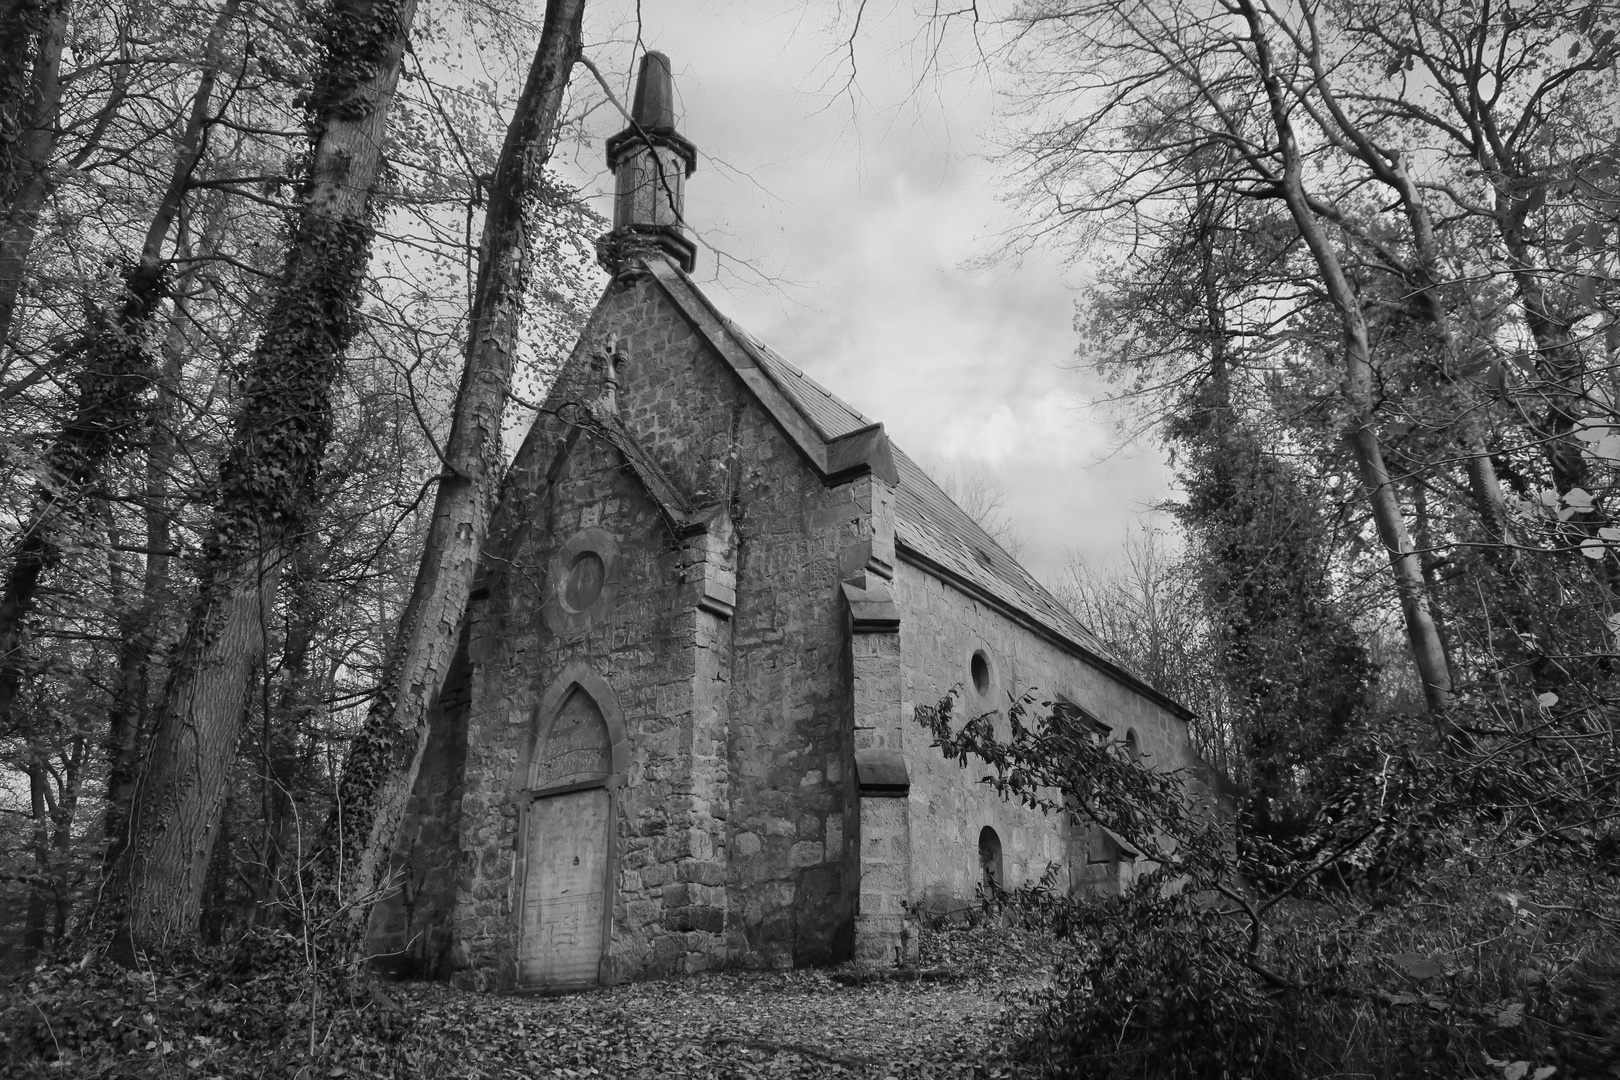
(787, 751)
(942, 627)
(410, 928)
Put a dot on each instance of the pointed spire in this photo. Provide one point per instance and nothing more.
(654, 107)
(650, 161)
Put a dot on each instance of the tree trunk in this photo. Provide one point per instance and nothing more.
(267, 478)
(282, 723)
(383, 760)
(1359, 391)
(138, 627)
(63, 815)
(1390, 169)
(39, 897)
(25, 171)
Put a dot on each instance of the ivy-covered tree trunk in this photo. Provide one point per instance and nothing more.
(138, 626)
(383, 760)
(32, 34)
(264, 504)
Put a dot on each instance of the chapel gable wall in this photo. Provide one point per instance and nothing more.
(525, 645)
(787, 746)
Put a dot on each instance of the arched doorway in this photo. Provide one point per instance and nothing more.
(990, 871)
(567, 845)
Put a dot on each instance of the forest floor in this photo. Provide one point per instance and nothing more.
(938, 1020)
(806, 1023)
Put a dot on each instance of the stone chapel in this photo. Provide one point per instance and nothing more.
(678, 733)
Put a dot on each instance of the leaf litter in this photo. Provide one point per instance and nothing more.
(101, 1022)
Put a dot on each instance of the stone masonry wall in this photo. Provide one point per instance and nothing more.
(731, 816)
(640, 646)
(941, 629)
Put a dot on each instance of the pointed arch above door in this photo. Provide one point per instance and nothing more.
(577, 735)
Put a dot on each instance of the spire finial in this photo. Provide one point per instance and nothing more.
(650, 161)
(654, 107)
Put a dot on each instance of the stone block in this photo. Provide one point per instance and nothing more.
(701, 871)
(806, 853)
(657, 874)
(701, 917)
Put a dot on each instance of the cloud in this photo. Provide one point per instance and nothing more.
(856, 219)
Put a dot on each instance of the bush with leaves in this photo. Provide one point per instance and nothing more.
(1398, 942)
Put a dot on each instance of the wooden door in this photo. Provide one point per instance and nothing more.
(564, 890)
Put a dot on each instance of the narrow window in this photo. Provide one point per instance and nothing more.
(1132, 747)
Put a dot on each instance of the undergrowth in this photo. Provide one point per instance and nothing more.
(1477, 975)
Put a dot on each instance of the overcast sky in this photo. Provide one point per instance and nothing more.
(848, 226)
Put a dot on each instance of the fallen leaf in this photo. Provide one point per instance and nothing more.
(1418, 966)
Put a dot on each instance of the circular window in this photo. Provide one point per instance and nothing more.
(980, 669)
(583, 584)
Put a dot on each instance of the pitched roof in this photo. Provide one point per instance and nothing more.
(929, 527)
(927, 520)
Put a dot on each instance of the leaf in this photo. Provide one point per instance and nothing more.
(1544, 1072)
(1546, 701)
(1610, 533)
(1607, 448)
(1516, 1070)
(1512, 1016)
(1579, 498)
(1417, 965)
(1593, 548)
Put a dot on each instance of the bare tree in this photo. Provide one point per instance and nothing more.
(975, 487)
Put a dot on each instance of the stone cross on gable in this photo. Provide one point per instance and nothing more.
(608, 356)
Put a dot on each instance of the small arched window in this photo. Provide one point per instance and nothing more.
(990, 874)
(1133, 748)
(979, 669)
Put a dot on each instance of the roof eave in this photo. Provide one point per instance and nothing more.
(907, 553)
